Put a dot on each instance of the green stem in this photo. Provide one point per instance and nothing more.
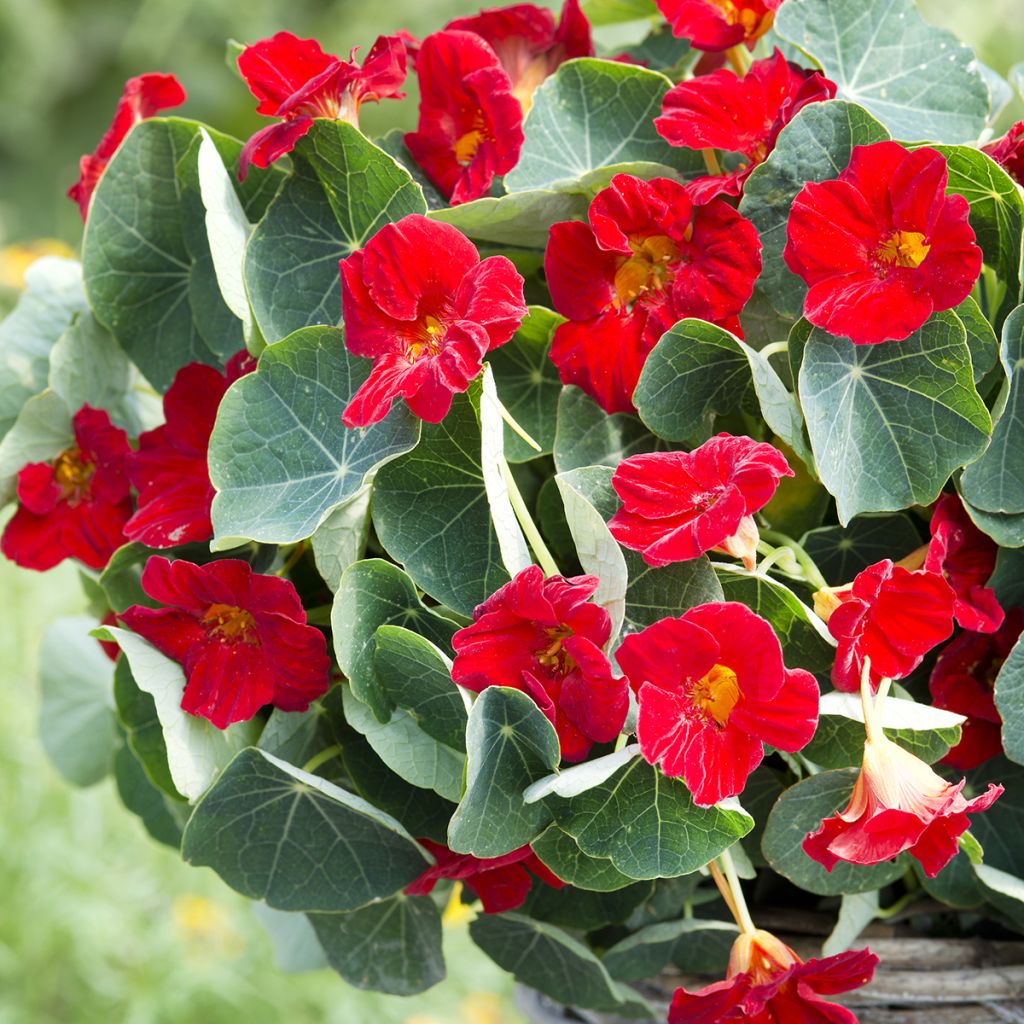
(743, 918)
(811, 572)
(621, 741)
(516, 428)
(713, 167)
(322, 758)
(529, 527)
(293, 558)
(775, 348)
(884, 913)
(780, 555)
(739, 58)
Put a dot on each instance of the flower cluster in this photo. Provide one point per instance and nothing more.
(546, 641)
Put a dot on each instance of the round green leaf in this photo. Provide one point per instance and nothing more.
(693, 945)
(431, 514)
(297, 841)
(647, 824)
(510, 745)
(558, 850)
(840, 552)
(280, 457)
(920, 81)
(889, 423)
(590, 119)
(392, 947)
(587, 436)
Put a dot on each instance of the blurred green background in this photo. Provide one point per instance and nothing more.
(98, 924)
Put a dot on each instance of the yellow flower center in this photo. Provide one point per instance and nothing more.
(230, 624)
(717, 694)
(554, 657)
(753, 22)
(466, 145)
(73, 474)
(903, 249)
(647, 269)
(427, 341)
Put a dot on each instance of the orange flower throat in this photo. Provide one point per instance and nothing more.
(230, 624)
(554, 657)
(73, 475)
(716, 694)
(648, 269)
(903, 249)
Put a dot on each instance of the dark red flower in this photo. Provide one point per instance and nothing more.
(892, 616)
(528, 43)
(713, 690)
(109, 648)
(767, 983)
(296, 81)
(677, 505)
(471, 125)
(963, 681)
(544, 637)
(1008, 152)
(502, 883)
(719, 24)
(241, 638)
(966, 558)
(77, 505)
(169, 470)
(648, 258)
(738, 115)
(898, 803)
(143, 97)
(426, 321)
(882, 247)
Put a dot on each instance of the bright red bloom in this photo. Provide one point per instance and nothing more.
(169, 470)
(77, 505)
(426, 321)
(892, 616)
(898, 803)
(544, 637)
(502, 883)
(471, 124)
(719, 24)
(241, 638)
(767, 983)
(143, 97)
(882, 247)
(528, 43)
(713, 690)
(1008, 152)
(963, 681)
(738, 115)
(648, 258)
(966, 558)
(677, 505)
(296, 81)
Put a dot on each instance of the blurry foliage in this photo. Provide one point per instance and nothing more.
(63, 62)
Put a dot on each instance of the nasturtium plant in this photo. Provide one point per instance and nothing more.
(534, 510)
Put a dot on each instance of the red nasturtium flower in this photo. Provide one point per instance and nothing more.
(966, 558)
(502, 883)
(767, 983)
(471, 125)
(963, 681)
(419, 301)
(713, 690)
(544, 637)
(719, 24)
(241, 638)
(677, 505)
(75, 506)
(891, 615)
(528, 43)
(647, 258)
(1008, 152)
(898, 803)
(143, 97)
(169, 470)
(296, 81)
(738, 115)
(882, 247)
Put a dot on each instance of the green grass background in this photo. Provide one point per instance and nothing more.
(99, 924)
